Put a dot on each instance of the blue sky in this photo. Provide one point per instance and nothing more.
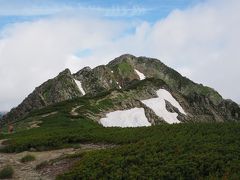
(29, 10)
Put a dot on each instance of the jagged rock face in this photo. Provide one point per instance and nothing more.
(53, 91)
(154, 68)
(229, 109)
(200, 102)
(96, 80)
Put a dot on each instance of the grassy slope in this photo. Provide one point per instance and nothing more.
(62, 129)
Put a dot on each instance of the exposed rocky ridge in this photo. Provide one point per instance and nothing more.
(154, 68)
(137, 91)
(200, 102)
(55, 90)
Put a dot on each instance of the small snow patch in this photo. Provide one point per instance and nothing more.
(34, 124)
(79, 84)
(49, 114)
(73, 111)
(134, 117)
(158, 105)
(119, 85)
(141, 75)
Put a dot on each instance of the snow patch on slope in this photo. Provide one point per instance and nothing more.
(79, 84)
(119, 85)
(141, 75)
(158, 105)
(134, 117)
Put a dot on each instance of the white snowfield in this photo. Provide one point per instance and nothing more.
(141, 75)
(158, 105)
(79, 84)
(134, 117)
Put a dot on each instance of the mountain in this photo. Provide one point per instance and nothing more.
(70, 113)
(143, 89)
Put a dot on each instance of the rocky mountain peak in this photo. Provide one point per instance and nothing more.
(65, 72)
(83, 70)
(128, 58)
(125, 72)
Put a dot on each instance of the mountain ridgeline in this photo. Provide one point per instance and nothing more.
(127, 82)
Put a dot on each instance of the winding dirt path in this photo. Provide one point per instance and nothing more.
(27, 171)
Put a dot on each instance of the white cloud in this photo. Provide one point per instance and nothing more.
(33, 52)
(46, 7)
(200, 42)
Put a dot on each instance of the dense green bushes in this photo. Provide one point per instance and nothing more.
(6, 172)
(190, 151)
(187, 151)
(28, 158)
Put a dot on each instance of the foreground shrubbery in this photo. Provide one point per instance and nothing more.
(196, 151)
(58, 131)
(28, 158)
(188, 151)
(6, 172)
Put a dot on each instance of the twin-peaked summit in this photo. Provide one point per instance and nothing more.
(125, 75)
(117, 74)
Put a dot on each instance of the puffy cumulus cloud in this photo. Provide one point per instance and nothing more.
(201, 42)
